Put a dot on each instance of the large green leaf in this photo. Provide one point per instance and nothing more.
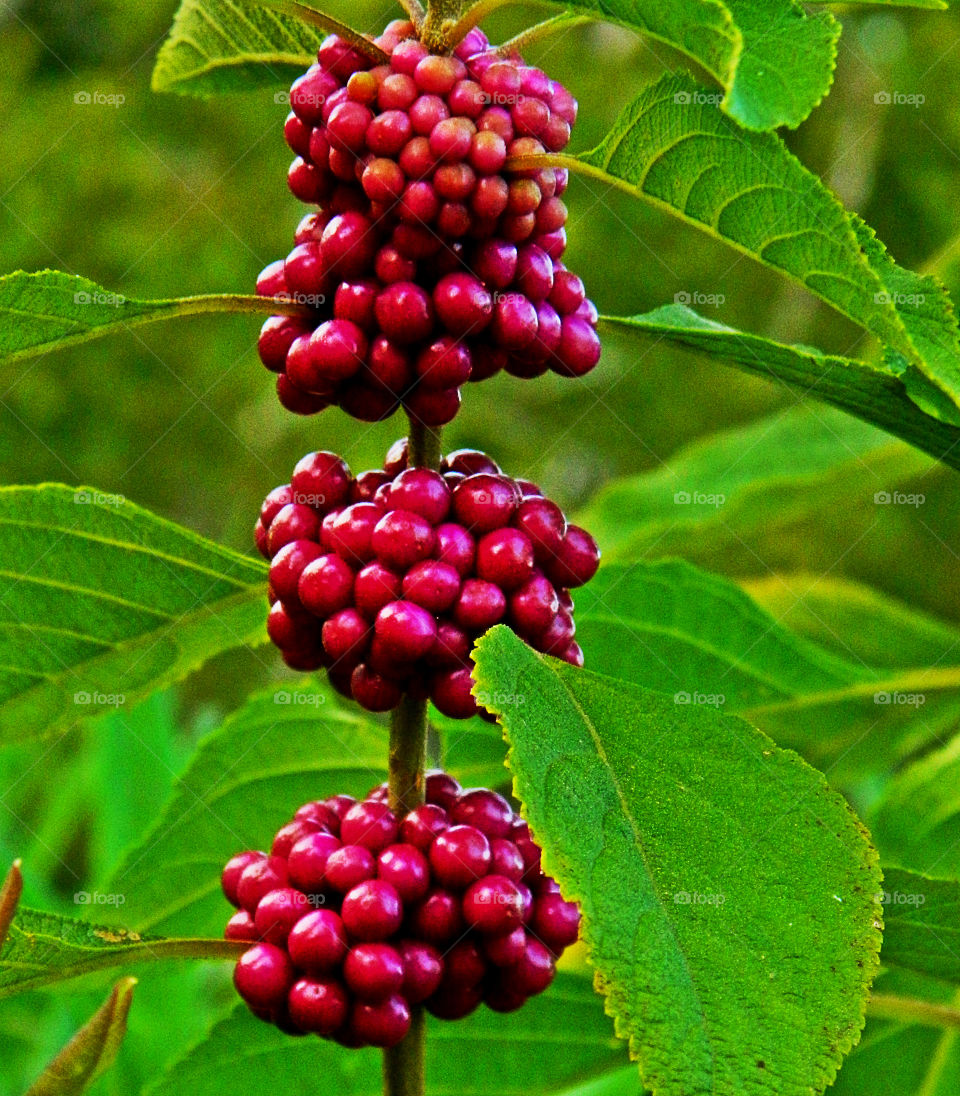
(855, 621)
(697, 637)
(900, 1059)
(50, 310)
(218, 46)
(92, 1050)
(104, 602)
(757, 486)
(44, 948)
(774, 62)
(917, 824)
(286, 746)
(876, 394)
(558, 1039)
(674, 147)
(729, 896)
(921, 930)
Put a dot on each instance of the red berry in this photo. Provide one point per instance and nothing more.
(318, 1006)
(422, 970)
(372, 825)
(263, 976)
(373, 971)
(383, 1024)
(493, 905)
(372, 910)
(486, 810)
(230, 877)
(349, 866)
(460, 855)
(308, 858)
(406, 868)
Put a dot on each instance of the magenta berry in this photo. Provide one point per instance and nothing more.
(439, 915)
(424, 231)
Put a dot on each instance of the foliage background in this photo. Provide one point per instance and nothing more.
(164, 196)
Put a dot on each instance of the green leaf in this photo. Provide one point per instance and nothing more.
(917, 824)
(854, 621)
(92, 1050)
(221, 46)
(674, 147)
(774, 62)
(921, 930)
(51, 310)
(558, 1038)
(875, 394)
(900, 1059)
(729, 896)
(700, 639)
(286, 746)
(105, 602)
(755, 485)
(931, 5)
(44, 948)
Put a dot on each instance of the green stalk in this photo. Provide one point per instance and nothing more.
(403, 1065)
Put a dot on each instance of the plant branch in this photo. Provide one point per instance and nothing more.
(403, 1065)
(911, 1010)
(519, 43)
(316, 18)
(424, 446)
(10, 898)
(447, 24)
(415, 10)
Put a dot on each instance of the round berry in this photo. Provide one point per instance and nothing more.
(402, 538)
(406, 869)
(484, 502)
(406, 630)
(373, 971)
(460, 855)
(422, 970)
(505, 557)
(277, 913)
(259, 878)
(555, 922)
(230, 877)
(308, 858)
(372, 910)
(372, 825)
(383, 1024)
(423, 824)
(325, 585)
(263, 976)
(318, 1006)
(484, 809)
(348, 866)
(493, 905)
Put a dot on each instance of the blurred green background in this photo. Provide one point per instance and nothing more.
(163, 196)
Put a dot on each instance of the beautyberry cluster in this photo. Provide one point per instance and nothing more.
(430, 262)
(387, 579)
(355, 916)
